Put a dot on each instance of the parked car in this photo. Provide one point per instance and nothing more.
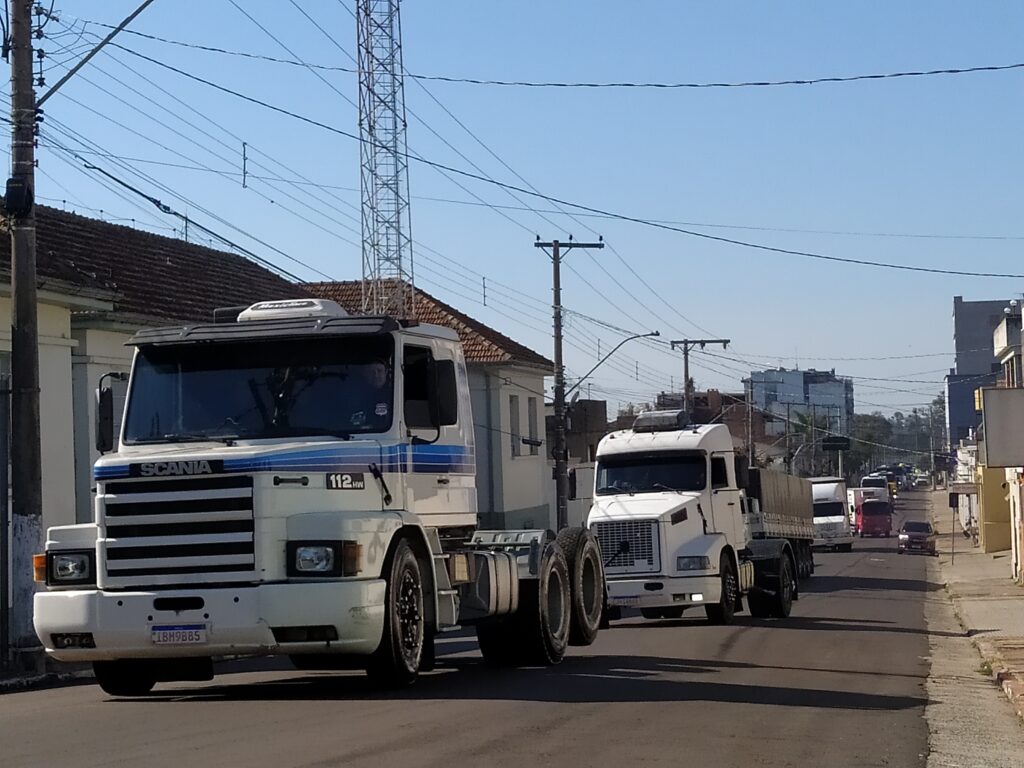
(917, 536)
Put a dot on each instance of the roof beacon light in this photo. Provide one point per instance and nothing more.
(661, 421)
(281, 310)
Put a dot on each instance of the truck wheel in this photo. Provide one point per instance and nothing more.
(848, 547)
(782, 601)
(545, 615)
(397, 660)
(538, 633)
(759, 605)
(723, 611)
(125, 677)
(586, 581)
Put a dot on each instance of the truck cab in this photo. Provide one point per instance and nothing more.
(831, 522)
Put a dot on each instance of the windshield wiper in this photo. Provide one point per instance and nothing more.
(663, 487)
(189, 437)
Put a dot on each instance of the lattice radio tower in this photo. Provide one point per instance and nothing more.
(387, 240)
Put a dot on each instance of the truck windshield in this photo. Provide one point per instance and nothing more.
(265, 389)
(829, 509)
(652, 473)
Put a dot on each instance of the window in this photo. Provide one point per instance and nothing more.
(273, 389)
(657, 472)
(531, 415)
(719, 473)
(416, 371)
(513, 421)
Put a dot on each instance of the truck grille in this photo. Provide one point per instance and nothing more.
(179, 530)
(629, 546)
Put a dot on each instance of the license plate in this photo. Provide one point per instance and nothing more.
(179, 634)
(623, 602)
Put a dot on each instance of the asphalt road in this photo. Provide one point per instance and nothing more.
(840, 683)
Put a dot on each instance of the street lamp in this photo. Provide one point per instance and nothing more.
(613, 351)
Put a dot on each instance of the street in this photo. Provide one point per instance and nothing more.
(841, 682)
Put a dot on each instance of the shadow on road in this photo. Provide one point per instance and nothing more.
(816, 623)
(596, 679)
(820, 584)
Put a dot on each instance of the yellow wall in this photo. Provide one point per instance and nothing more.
(994, 512)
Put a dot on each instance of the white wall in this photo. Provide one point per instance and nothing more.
(55, 406)
(98, 352)
(511, 488)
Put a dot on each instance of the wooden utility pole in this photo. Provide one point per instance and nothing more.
(560, 456)
(687, 345)
(26, 463)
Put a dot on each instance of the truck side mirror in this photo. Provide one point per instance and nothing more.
(954, 500)
(104, 419)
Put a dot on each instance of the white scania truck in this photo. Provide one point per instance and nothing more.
(291, 479)
(682, 523)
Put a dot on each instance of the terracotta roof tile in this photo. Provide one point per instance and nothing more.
(149, 275)
(481, 343)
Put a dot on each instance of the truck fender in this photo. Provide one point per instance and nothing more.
(412, 529)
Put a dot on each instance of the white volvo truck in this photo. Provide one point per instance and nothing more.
(682, 523)
(832, 528)
(291, 479)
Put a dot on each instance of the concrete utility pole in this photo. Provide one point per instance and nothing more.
(560, 453)
(687, 345)
(26, 464)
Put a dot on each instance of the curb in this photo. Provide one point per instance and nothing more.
(47, 680)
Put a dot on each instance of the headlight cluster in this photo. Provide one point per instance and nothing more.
(324, 558)
(68, 568)
(693, 563)
(904, 537)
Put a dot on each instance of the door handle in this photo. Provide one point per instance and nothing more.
(443, 481)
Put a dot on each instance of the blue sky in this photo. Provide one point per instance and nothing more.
(914, 156)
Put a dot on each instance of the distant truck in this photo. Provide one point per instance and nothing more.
(832, 527)
(682, 523)
(874, 518)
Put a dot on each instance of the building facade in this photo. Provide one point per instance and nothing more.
(796, 396)
(974, 324)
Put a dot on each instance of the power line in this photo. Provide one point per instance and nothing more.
(739, 84)
(555, 84)
(580, 206)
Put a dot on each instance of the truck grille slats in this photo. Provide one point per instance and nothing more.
(629, 546)
(178, 530)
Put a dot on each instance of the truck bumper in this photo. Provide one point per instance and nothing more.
(237, 620)
(664, 591)
(825, 542)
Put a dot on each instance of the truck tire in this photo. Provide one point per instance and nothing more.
(586, 581)
(723, 611)
(124, 677)
(396, 662)
(538, 633)
(848, 547)
(782, 601)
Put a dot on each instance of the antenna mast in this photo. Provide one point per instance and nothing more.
(384, 171)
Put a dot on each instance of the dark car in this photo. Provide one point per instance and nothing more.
(917, 537)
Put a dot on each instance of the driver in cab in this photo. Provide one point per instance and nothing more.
(372, 403)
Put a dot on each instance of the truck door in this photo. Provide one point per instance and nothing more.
(726, 516)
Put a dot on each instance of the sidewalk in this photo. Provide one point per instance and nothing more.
(988, 604)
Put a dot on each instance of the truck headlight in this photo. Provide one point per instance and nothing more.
(693, 563)
(904, 537)
(324, 558)
(314, 558)
(71, 568)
